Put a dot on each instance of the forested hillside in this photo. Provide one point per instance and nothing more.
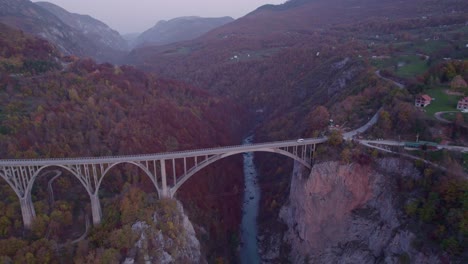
(304, 63)
(286, 59)
(306, 68)
(53, 106)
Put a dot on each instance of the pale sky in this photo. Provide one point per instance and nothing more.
(129, 16)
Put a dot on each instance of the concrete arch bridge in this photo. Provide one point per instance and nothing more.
(167, 171)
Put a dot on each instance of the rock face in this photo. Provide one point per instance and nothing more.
(90, 27)
(320, 204)
(38, 21)
(179, 29)
(348, 214)
(159, 246)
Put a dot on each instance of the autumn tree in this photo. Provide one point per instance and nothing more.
(335, 138)
(317, 120)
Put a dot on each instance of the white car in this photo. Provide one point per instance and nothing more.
(300, 140)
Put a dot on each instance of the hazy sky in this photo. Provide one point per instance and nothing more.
(128, 16)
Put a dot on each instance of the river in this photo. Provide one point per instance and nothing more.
(249, 248)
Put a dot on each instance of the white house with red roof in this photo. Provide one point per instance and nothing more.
(422, 100)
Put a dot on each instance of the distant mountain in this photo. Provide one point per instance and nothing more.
(89, 26)
(36, 20)
(285, 6)
(179, 29)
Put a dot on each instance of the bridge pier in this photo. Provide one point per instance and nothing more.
(27, 210)
(96, 208)
(165, 192)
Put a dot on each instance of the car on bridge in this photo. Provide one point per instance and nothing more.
(300, 140)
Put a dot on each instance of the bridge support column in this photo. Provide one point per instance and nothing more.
(96, 209)
(165, 192)
(27, 210)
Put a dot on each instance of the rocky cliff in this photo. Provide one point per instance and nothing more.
(38, 21)
(347, 214)
(89, 26)
(157, 243)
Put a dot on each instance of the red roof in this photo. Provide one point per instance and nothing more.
(464, 99)
(425, 97)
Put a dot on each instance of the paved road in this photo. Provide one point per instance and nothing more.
(49, 186)
(439, 117)
(161, 156)
(364, 128)
(52, 200)
(375, 118)
(400, 85)
(368, 143)
(372, 143)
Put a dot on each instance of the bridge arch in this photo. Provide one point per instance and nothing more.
(12, 186)
(27, 206)
(218, 157)
(38, 172)
(138, 165)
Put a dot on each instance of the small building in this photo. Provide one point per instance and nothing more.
(422, 100)
(421, 145)
(463, 104)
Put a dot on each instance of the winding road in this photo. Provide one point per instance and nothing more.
(439, 117)
(51, 202)
(400, 85)
(349, 135)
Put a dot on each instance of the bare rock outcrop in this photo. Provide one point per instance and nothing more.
(320, 204)
(157, 245)
(349, 214)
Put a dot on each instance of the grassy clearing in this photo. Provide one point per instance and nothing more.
(441, 102)
(432, 46)
(413, 66)
(404, 66)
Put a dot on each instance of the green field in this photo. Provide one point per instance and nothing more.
(411, 65)
(441, 101)
(432, 46)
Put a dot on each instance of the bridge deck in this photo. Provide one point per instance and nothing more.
(159, 156)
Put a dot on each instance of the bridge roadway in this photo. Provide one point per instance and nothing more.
(90, 171)
(161, 156)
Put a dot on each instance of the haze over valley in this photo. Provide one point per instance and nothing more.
(305, 131)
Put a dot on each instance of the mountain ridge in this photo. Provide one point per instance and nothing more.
(179, 29)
